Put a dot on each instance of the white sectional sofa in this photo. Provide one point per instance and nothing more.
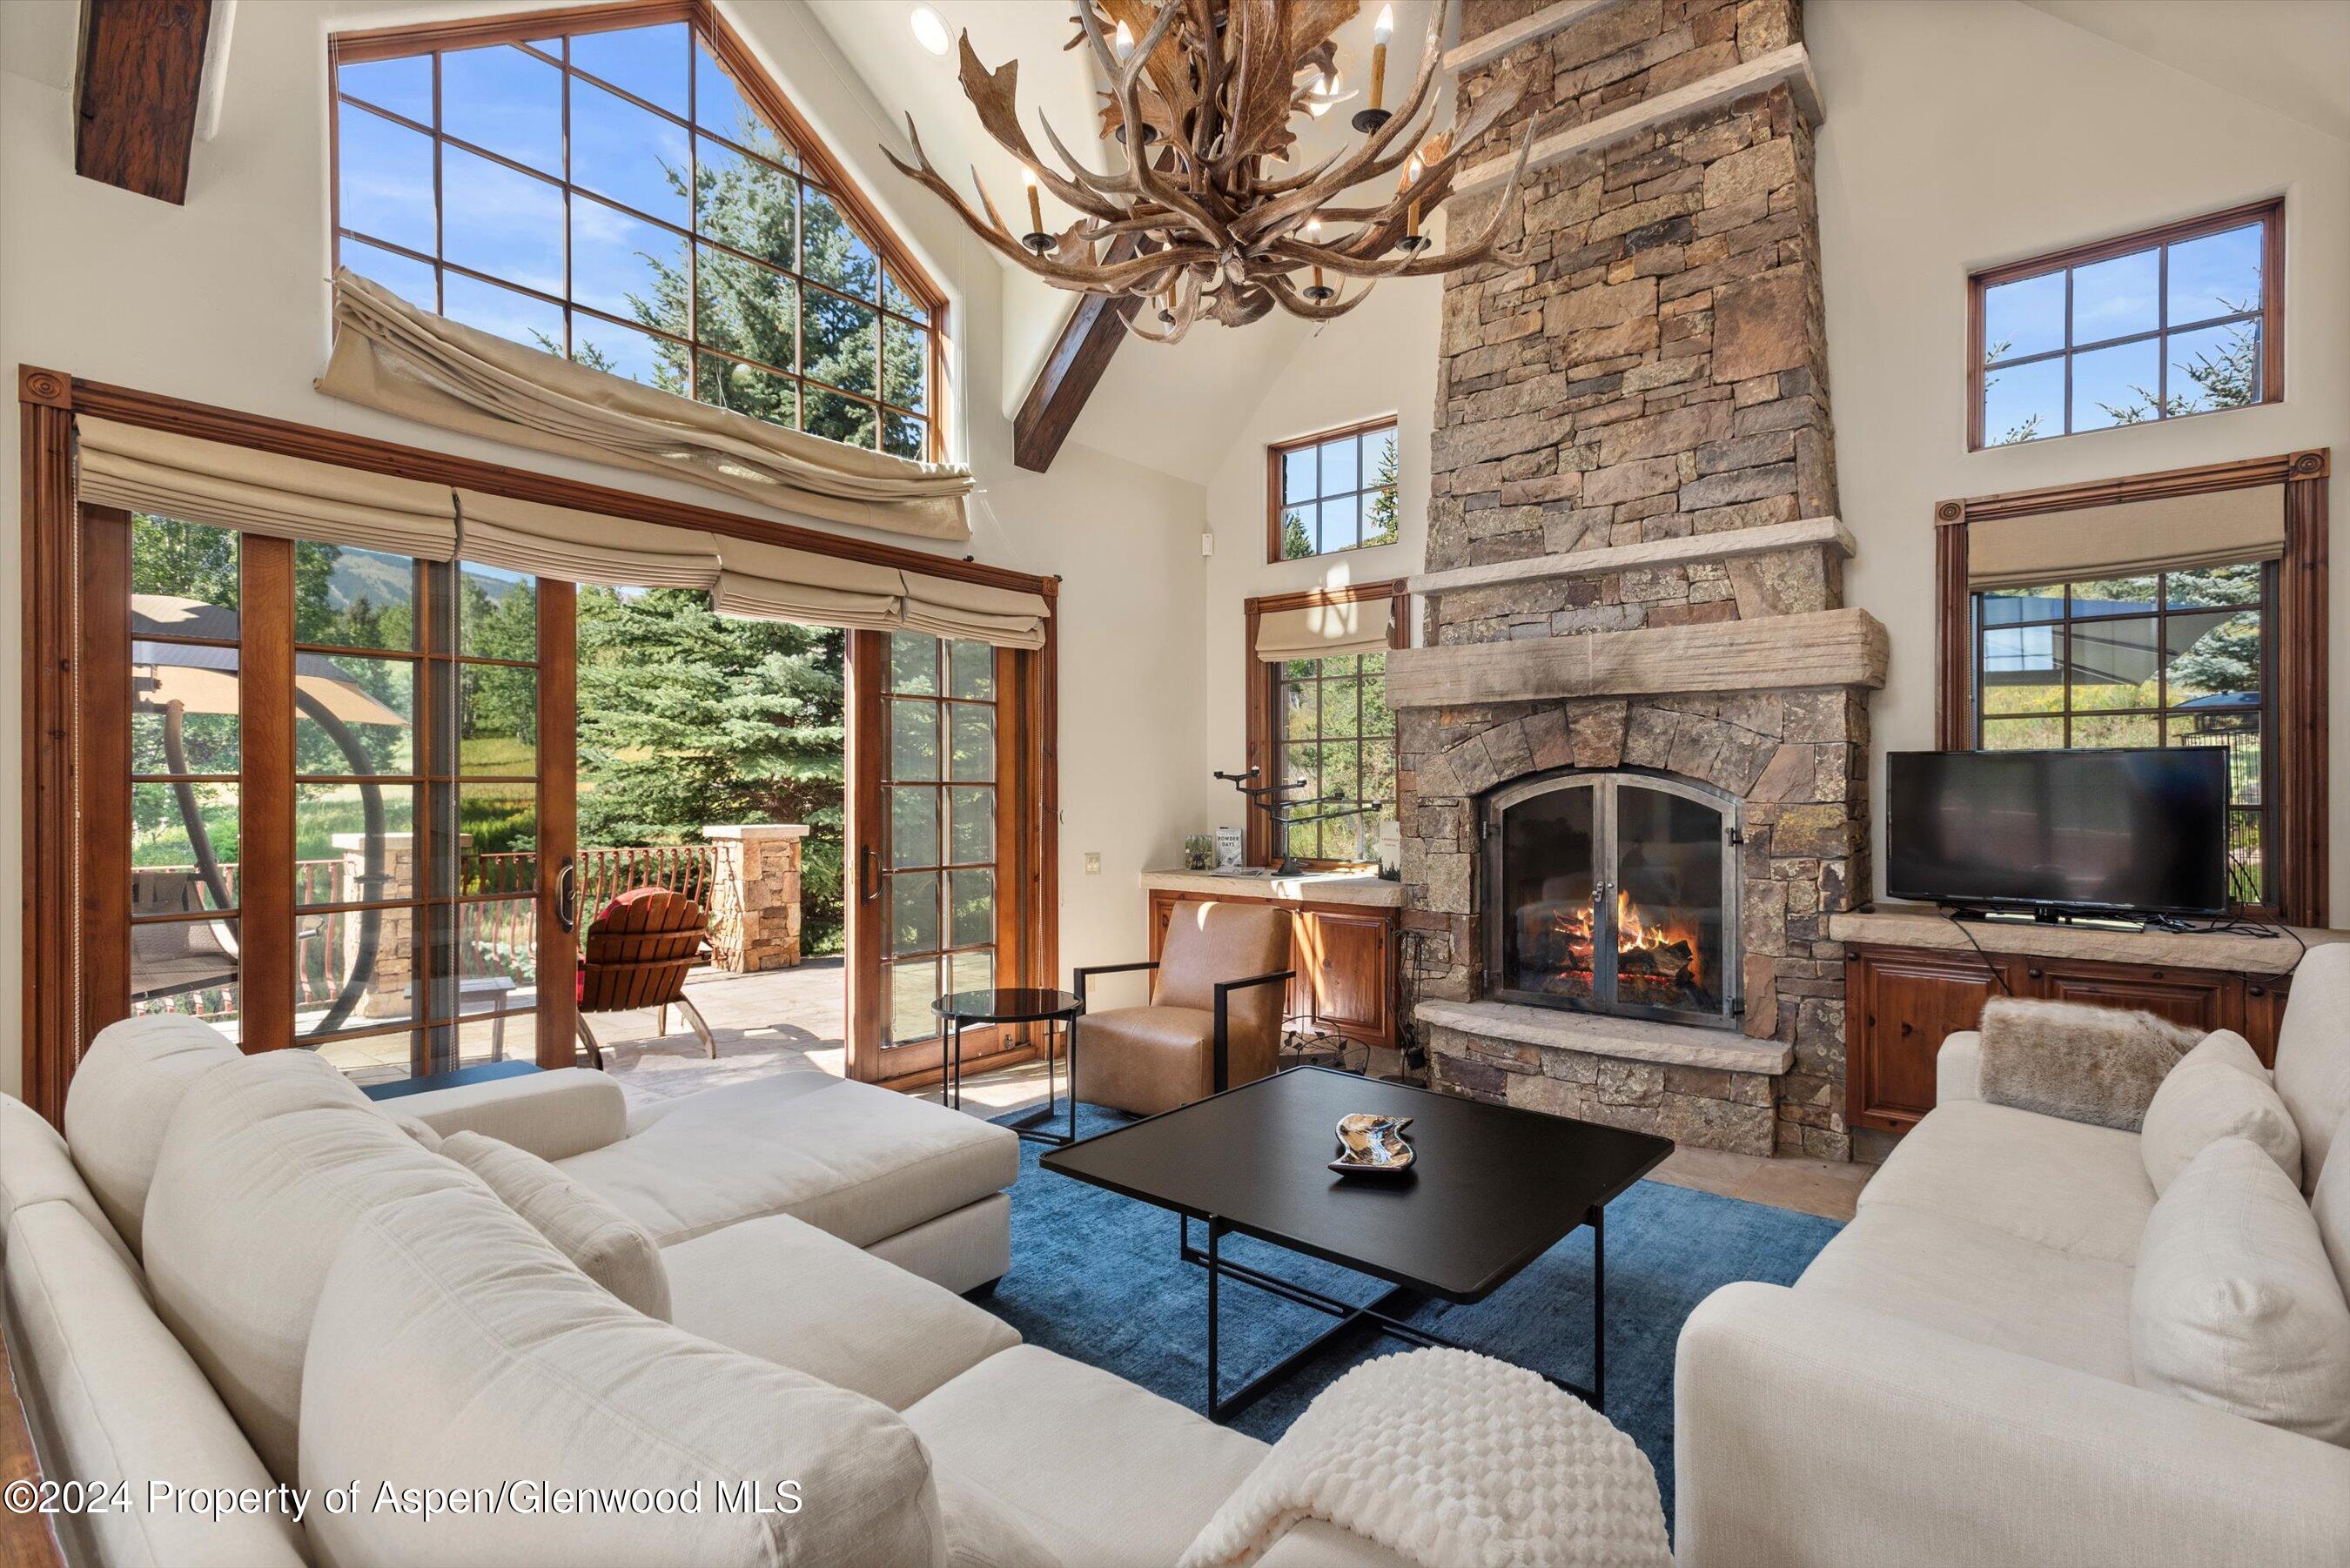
(1952, 1379)
(235, 1273)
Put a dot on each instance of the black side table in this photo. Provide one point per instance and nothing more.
(1012, 1004)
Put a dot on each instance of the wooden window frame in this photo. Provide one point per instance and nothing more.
(1273, 502)
(818, 168)
(56, 736)
(1264, 681)
(2299, 640)
(2269, 214)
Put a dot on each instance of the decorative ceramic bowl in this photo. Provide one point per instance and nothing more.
(1372, 1146)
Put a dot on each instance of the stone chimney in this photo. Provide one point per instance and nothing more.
(1634, 556)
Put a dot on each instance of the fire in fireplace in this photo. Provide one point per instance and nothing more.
(1614, 892)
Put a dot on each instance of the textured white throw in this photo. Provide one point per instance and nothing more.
(1454, 1460)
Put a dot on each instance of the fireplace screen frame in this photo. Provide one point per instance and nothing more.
(1605, 860)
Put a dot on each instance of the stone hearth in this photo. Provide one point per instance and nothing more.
(1646, 380)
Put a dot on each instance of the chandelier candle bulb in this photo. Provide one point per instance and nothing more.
(1381, 31)
(1124, 46)
(1036, 204)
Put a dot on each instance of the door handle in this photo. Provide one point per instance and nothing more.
(868, 878)
(567, 909)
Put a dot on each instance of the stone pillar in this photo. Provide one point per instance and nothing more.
(389, 991)
(755, 895)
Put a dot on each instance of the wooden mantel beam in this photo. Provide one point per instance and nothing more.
(1071, 372)
(143, 68)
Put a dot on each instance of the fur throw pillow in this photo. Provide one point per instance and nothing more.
(2094, 1064)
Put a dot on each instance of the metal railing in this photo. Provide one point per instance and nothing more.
(498, 926)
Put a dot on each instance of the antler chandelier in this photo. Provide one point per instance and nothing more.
(1208, 218)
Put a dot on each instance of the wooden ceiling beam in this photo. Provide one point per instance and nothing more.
(141, 74)
(1071, 371)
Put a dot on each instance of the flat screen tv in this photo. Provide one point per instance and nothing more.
(2139, 831)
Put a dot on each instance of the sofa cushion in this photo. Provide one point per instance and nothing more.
(455, 1348)
(115, 1399)
(2329, 1206)
(2235, 1304)
(267, 1166)
(1107, 1474)
(123, 1093)
(2312, 1054)
(2096, 1065)
(1982, 1284)
(2066, 1185)
(786, 1292)
(984, 1533)
(35, 1167)
(2207, 1099)
(859, 1161)
(608, 1247)
(554, 1115)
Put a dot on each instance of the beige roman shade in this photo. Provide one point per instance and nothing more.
(390, 355)
(2213, 529)
(946, 607)
(774, 582)
(1324, 630)
(199, 480)
(582, 547)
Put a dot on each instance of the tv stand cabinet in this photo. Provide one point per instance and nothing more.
(1912, 979)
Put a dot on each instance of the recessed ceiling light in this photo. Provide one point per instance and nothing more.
(929, 29)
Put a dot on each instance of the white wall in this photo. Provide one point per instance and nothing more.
(225, 301)
(1961, 133)
(1380, 359)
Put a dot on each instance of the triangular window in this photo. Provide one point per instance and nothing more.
(636, 194)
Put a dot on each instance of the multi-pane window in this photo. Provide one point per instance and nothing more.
(2152, 326)
(616, 197)
(939, 784)
(1336, 734)
(2169, 658)
(1334, 492)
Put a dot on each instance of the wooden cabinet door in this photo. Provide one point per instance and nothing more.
(1347, 962)
(2196, 998)
(1900, 1005)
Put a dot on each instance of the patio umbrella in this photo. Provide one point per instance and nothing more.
(176, 679)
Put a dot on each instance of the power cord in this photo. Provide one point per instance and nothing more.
(1997, 972)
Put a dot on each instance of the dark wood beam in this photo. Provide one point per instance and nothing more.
(142, 66)
(1072, 370)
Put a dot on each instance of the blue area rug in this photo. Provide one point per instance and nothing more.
(1095, 1277)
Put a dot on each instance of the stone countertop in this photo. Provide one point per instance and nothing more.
(1305, 887)
(1915, 926)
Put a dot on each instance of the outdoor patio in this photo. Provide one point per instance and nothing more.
(770, 1021)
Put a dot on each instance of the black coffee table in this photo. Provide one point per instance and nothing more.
(1494, 1188)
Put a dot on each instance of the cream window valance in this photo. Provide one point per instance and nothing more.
(198, 481)
(582, 547)
(1326, 630)
(2177, 532)
(390, 355)
(948, 606)
(774, 582)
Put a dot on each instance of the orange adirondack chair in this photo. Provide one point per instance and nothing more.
(637, 955)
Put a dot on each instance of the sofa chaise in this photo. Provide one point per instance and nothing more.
(235, 1273)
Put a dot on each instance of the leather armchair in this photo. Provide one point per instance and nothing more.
(1214, 1020)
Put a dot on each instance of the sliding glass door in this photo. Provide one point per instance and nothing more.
(327, 795)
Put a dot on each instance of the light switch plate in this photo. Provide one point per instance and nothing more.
(1092, 862)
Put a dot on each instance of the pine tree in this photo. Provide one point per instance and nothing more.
(687, 718)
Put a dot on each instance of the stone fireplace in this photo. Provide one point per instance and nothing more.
(1632, 728)
(1614, 892)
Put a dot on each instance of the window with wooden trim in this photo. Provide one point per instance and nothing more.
(1337, 734)
(1332, 491)
(2183, 320)
(626, 188)
(2164, 658)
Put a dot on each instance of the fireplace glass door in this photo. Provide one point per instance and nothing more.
(1615, 893)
